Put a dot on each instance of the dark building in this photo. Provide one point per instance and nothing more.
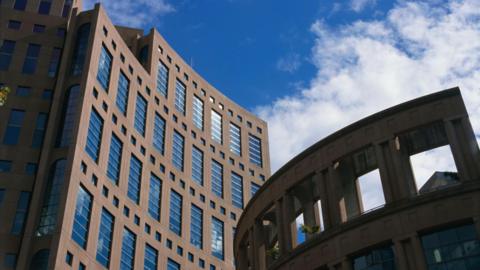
(312, 214)
(114, 153)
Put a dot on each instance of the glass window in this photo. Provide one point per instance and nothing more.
(162, 79)
(217, 238)
(216, 127)
(172, 265)
(159, 134)
(196, 227)
(140, 114)
(128, 250)
(237, 190)
(54, 62)
(14, 24)
(80, 50)
(31, 168)
(48, 214)
(15, 122)
(143, 55)
(30, 62)
(452, 248)
(67, 5)
(94, 136)
(47, 94)
(20, 4)
(44, 7)
(105, 235)
(177, 150)
(38, 28)
(5, 165)
(104, 67)
(235, 140)
(6, 52)
(217, 178)
(134, 179)
(65, 130)
(114, 159)
(253, 188)
(10, 260)
(21, 213)
(81, 219)
(255, 150)
(175, 212)
(180, 92)
(23, 91)
(197, 165)
(40, 260)
(155, 197)
(151, 258)
(39, 131)
(198, 112)
(379, 258)
(122, 93)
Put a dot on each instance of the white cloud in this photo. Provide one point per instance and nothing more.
(137, 13)
(359, 5)
(367, 66)
(290, 63)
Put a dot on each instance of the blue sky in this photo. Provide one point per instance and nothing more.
(311, 67)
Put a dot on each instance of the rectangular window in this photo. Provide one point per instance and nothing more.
(2, 194)
(159, 134)
(140, 114)
(253, 188)
(81, 220)
(151, 258)
(20, 213)
(23, 91)
(114, 159)
(217, 178)
(175, 212)
(235, 140)
(216, 127)
(104, 67)
(217, 238)
(105, 235)
(31, 58)
(6, 52)
(127, 259)
(5, 166)
(177, 150)
(54, 61)
(122, 93)
(80, 50)
(155, 197)
(38, 28)
(255, 150)
(197, 165)
(66, 8)
(196, 227)
(20, 4)
(14, 24)
(44, 7)
(197, 112)
(39, 131)
(15, 122)
(94, 136)
(180, 93)
(134, 179)
(162, 79)
(172, 265)
(237, 190)
(378, 258)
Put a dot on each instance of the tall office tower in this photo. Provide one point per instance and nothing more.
(114, 153)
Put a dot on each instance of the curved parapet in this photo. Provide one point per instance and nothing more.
(358, 199)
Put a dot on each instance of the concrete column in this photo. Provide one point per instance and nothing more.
(251, 250)
(259, 246)
(281, 234)
(346, 264)
(420, 263)
(457, 151)
(287, 213)
(402, 173)
(335, 212)
(309, 216)
(387, 183)
(400, 256)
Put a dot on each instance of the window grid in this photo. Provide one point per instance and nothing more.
(255, 150)
(151, 258)
(217, 178)
(140, 115)
(81, 219)
(216, 127)
(94, 136)
(127, 259)
(254, 188)
(196, 227)
(197, 165)
(197, 112)
(105, 234)
(159, 134)
(6, 52)
(39, 131)
(122, 93)
(177, 150)
(175, 212)
(54, 62)
(172, 265)
(31, 59)
(21, 213)
(64, 137)
(104, 67)
(180, 92)
(237, 190)
(162, 79)
(80, 51)
(15, 122)
(155, 197)
(235, 140)
(114, 159)
(217, 238)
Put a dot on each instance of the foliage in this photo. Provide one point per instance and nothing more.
(4, 91)
(309, 229)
